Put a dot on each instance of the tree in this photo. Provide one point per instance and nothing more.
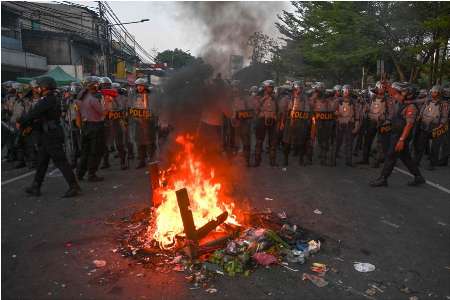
(261, 45)
(334, 40)
(176, 58)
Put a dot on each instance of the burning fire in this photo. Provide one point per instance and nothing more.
(188, 172)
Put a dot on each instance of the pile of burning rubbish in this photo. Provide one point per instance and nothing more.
(193, 228)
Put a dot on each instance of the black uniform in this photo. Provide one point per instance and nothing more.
(48, 111)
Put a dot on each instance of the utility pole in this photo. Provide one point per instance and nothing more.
(102, 37)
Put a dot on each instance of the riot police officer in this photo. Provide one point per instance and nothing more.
(402, 117)
(73, 131)
(107, 99)
(433, 118)
(296, 122)
(117, 117)
(91, 116)
(241, 118)
(144, 122)
(347, 123)
(376, 124)
(47, 110)
(324, 107)
(266, 123)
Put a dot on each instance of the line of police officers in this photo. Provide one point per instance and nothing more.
(339, 119)
(87, 121)
(77, 128)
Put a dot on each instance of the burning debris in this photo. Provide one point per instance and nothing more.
(194, 228)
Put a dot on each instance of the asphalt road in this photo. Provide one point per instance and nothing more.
(49, 243)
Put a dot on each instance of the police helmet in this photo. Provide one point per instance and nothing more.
(33, 84)
(337, 88)
(329, 93)
(74, 88)
(141, 81)
(319, 86)
(347, 87)
(379, 85)
(115, 85)
(436, 89)
(46, 82)
(298, 84)
(105, 80)
(91, 80)
(253, 89)
(235, 83)
(400, 86)
(269, 83)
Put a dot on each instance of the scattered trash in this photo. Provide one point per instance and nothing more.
(282, 215)
(284, 169)
(317, 212)
(13, 256)
(264, 259)
(268, 199)
(442, 223)
(390, 224)
(405, 290)
(319, 268)
(316, 280)
(178, 268)
(99, 263)
(413, 298)
(363, 267)
(371, 291)
(313, 246)
(211, 290)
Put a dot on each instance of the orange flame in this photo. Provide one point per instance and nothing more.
(204, 193)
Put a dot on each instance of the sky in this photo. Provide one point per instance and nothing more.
(169, 28)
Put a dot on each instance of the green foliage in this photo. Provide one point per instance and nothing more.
(334, 40)
(176, 58)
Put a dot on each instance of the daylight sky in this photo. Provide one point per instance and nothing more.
(167, 29)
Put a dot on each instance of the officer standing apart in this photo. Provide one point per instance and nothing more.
(266, 123)
(347, 124)
(91, 116)
(433, 119)
(48, 111)
(144, 122)
(402, 118)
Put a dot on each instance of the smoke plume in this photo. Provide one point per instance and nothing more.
(227, 27)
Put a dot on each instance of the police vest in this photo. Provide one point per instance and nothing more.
(268, 109)
(431, 112)
(345, 112)
(377, 109)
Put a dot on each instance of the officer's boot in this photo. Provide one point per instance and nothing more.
(141, 157)
(258, 150)
(286, 149)
(20, 159)
(34, 189)
(123, 161)
(272, 155)
(380, 181)
(247, 155)
(130, 151)
(418, 180)
(106, 164)
(151, 152)
(74, 190)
